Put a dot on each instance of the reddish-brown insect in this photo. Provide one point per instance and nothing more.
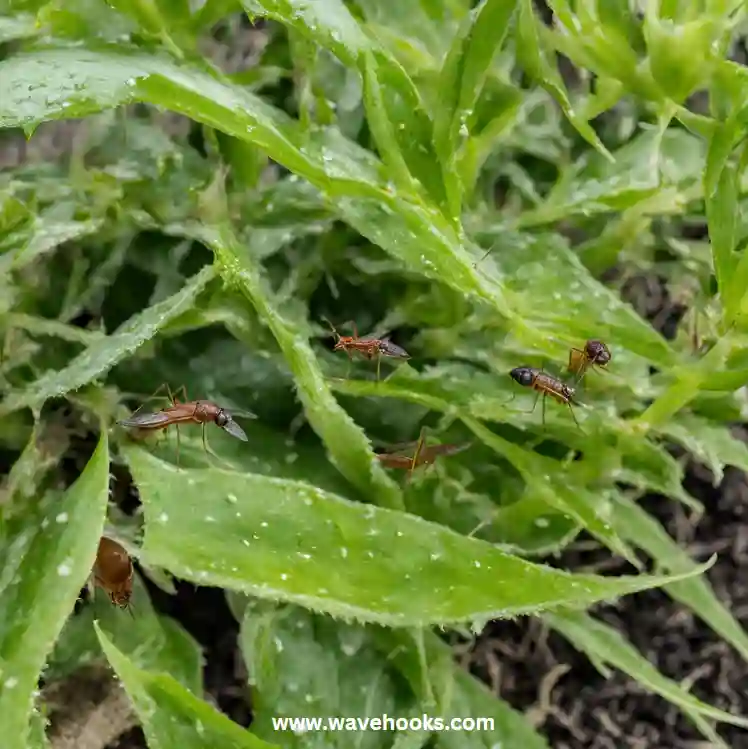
(370, 348)
(198, 412)
(546, 385)
(594, 354)
(113, 572)
(417, 454)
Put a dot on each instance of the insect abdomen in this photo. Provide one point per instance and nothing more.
(551, 386)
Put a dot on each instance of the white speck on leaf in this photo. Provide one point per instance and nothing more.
(63, 570)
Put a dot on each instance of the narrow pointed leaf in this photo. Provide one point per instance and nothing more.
(288, 541)
(600, 641)
(696, 593)
(172, 717)
(104, 353)
(45, 563)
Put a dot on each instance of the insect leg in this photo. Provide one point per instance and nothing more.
(523, 410)
(574, 417)
(535, 404)
(379, 361)
(183, 391)
(162, 386)
(543, 411)
(210, 451)
(417, 453)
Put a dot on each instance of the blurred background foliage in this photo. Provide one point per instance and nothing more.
(488, 183)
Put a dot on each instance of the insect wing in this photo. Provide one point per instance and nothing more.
(448, 449)
(398, 447)
(235, 430)
(243, 414)
(144, 421)
(388, 348)
(395, 461)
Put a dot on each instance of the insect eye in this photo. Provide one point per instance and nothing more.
(525, 377)
(222, 419)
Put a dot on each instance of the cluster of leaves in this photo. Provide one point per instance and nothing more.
(359, 168)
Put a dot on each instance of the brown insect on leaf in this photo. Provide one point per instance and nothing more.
(113, 571)
(417, 454)
(545, 385)
(370, 348)
(595, 354)
(200, 412)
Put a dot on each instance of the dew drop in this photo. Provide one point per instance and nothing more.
(62, 518)
(63, 570)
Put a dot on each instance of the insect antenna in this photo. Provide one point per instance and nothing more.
(333, 329)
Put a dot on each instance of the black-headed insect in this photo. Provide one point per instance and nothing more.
(196, 412)
(369, 348)
(594, 354)
(545, 385)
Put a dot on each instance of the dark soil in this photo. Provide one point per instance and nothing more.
(578, 708)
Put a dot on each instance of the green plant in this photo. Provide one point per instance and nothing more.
(390, 127)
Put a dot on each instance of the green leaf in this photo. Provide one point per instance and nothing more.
(461, 81)
(713, 445)
(723, 216)
(396, 114)
(153, 642)
(103, 354)
(45, 563)
(680, 55)
(348, 446)
(545, 267)
(429, 666)
(288, 541)
(415, 233)
(603, 643)
(172, 717)
(21, 26)
(304, 665)
(696, 593)
(533, 527)
(634, 460)
(45, 234)
(688, 381)
(532, 55)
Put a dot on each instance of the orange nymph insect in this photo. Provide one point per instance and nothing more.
(369, 348)
(594, 354)
(545, 385)
(113, 571)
